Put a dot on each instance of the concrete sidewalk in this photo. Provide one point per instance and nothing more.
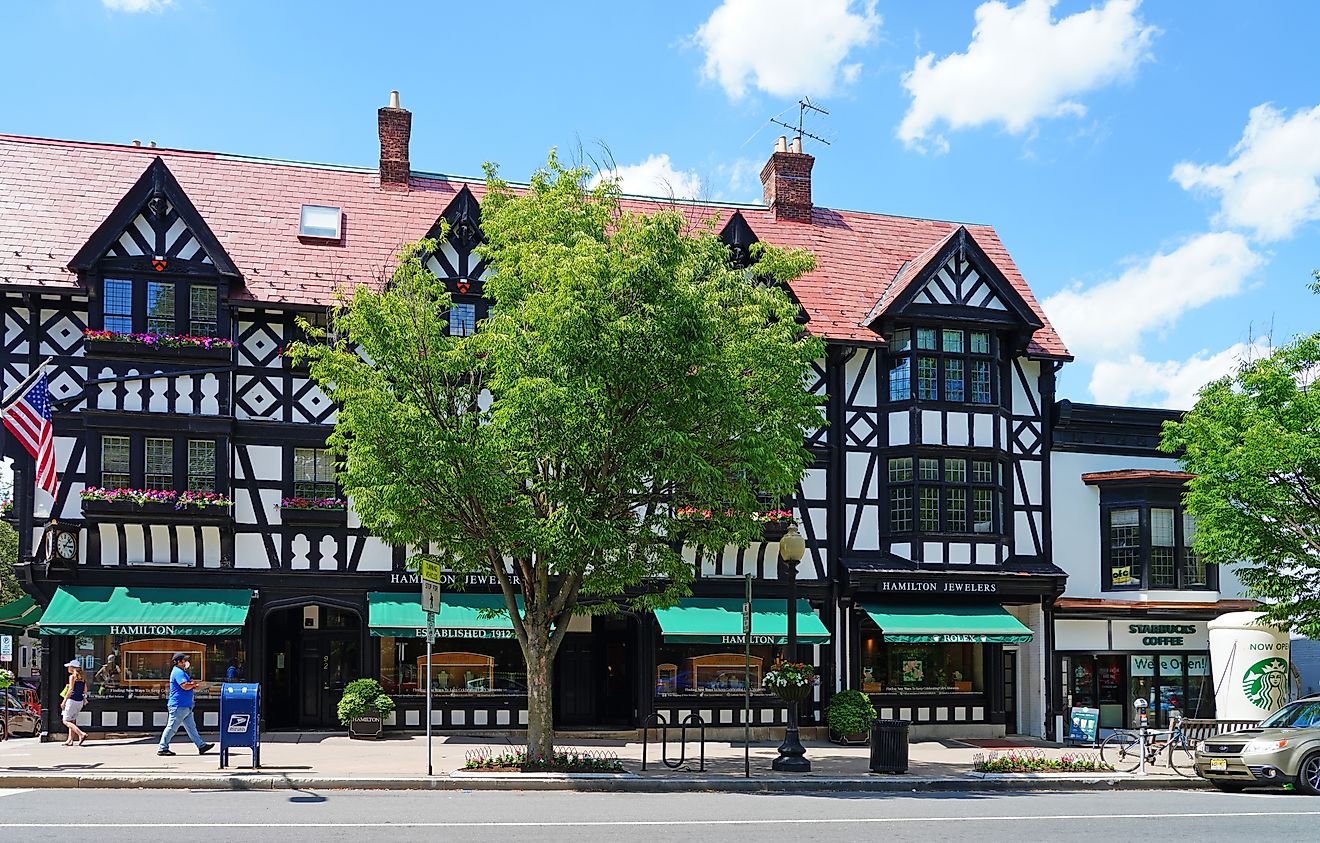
(327, 760)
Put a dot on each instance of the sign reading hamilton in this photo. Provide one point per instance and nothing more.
(939, 587)
(152, 629)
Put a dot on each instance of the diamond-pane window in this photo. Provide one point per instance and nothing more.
(203, 304)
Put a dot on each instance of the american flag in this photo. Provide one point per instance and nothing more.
(28, 418)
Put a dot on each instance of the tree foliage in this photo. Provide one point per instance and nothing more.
(625, 369)
(1253, 442)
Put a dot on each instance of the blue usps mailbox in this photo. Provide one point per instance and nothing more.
(240, 720)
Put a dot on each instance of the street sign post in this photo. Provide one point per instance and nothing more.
(6, 648)
(430, 605)
(747, 677)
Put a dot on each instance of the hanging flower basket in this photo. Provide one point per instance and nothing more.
(791, 681)
(793, 693)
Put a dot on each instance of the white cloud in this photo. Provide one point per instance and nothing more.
(1270, 186)
(1022, 66)
(1111, 317)
(135, 6)
(656, 176)
(1170, 383)
(786, 47)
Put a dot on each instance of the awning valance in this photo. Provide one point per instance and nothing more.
(942, 624)
(399, 614)
(146, 612)
(17, 615)
(719, 620)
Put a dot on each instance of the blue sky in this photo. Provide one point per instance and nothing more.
(1153, 171)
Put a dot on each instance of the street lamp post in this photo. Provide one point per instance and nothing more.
(792, 754)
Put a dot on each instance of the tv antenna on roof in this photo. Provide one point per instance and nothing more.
(804, 105)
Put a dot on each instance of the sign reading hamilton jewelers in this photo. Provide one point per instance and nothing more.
(939, 587)
(448, 578)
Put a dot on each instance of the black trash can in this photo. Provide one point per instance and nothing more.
(889, 746)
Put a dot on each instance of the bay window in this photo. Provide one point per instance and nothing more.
(952, 365)
(945, 491)
(1148, 545)
(162, 306)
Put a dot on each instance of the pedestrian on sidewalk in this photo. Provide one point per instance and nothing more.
(74, 699)
(180, 707)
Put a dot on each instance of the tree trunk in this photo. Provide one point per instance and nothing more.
(540, 696)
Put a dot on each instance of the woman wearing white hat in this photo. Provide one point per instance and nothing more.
(74, 701)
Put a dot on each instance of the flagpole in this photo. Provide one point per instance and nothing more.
(24, 384)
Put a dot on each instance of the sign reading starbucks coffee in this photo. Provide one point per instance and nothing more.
(1159, 635)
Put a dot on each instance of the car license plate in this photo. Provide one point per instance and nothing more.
(1218, 765)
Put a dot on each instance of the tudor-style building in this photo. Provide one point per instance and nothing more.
(928, 581)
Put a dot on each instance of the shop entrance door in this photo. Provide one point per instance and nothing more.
(595, 676)
(575, 682)
(312, 652)
(1010, 692)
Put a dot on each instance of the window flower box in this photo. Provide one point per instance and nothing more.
(155, 504)
(157, 346)
(308, 511)
(775, 523)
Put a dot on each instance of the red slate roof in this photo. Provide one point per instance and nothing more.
(53, 195)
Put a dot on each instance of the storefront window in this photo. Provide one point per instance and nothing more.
(139, 668)
(709, 668)
(889, 668)
(469, 666)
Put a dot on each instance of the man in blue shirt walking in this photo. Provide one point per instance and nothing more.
(180, 705)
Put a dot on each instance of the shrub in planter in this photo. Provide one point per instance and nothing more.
(849, 716)
(363, 706)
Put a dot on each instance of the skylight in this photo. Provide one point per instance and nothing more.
(320, 221)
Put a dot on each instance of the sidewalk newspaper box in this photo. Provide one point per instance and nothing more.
(240, 720)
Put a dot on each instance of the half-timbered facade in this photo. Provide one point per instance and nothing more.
(159, 288)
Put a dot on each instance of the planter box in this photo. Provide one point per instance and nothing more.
(140, 351)
(129, 511)
(852, 739)
(314, 517)
(364, 728)
(773, 531)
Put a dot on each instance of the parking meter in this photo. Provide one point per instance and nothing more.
(1142, 717)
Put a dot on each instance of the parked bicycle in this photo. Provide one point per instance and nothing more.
(1125, 749)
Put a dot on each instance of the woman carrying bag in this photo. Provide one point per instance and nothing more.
(75, 697)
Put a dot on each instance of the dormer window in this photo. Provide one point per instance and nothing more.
(320, 222)
(462, 319)
(951, 365)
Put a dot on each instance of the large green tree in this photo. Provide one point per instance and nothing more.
(626, 369)
(1253, 442)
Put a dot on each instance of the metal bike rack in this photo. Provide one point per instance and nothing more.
(662, 726)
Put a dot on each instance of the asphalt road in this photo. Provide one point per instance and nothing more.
(287, 816)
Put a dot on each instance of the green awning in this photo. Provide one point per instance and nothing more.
(719, 620)
(17, 615)
(146, 612)
(935, 624)
(399, 613)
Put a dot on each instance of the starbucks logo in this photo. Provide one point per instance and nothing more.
(1266, 684)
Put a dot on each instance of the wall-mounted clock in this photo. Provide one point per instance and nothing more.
(63, 545)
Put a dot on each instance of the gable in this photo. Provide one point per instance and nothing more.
(959, 282)
(155, 227)
(456, 257)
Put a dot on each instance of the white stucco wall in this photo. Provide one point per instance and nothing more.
(1076, 524)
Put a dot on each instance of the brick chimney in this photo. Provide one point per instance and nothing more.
(395, 129)
(786, 180)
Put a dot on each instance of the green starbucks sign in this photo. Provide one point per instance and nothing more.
(1265, 684)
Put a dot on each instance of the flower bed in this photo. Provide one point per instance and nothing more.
(147, 497)
(486, 760)
(1026, 761)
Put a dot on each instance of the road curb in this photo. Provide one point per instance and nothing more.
(634, 784)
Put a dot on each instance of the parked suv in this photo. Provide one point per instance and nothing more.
(1284, 749)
